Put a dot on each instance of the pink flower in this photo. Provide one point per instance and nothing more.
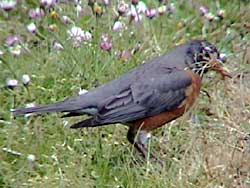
(125, 55)
(134, 2)
(134, 14)
(210, 17)
(171, 8)
(87, 36)
(118, 26)
(57, 45)
(66, 19)
(106, 2)
(78, 35)
(132, 11)
(48, 3)
(8, 5)
(150, 13)
(123, 7)
(138, 18)
(12, 40)
(36, 13)
(204, 10)
(221, 13)
(106, 43)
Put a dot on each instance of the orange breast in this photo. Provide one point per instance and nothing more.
(192, 92)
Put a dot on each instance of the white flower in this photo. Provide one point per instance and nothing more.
(7, 5)
(66, 19)
(141, 7)
(32, 28)
(48, 3)
(223, 57)
(11, 83)
(138, 18)
(31, 158)
(78, 35)
(106, 2)
(26, 79)
(162, 9)
(36, 13)
(134, 14)
(118, 26)
(221, 13)
(57, 45)
(15, 50)
(171, 7)
(87, 36)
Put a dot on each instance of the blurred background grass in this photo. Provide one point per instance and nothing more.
(209, 148)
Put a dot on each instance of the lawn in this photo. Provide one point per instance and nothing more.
(53, 50)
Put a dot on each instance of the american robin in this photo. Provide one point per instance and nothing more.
(146, 97)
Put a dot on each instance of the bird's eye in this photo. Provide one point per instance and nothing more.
(207, 54)
(200, 57)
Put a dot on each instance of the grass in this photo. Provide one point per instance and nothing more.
(211, 149)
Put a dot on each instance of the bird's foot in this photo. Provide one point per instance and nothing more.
(140, 142)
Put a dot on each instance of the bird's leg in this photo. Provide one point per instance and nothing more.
(139, 139)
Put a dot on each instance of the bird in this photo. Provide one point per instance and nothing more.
(146, 97)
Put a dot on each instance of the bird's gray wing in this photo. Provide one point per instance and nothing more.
(146, 97)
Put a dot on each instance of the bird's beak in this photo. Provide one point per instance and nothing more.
(218, 67)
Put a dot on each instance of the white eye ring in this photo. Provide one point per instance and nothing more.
(208, 49)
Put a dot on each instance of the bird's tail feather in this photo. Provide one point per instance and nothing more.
(86, 123)
(57, 107)
(39, 109)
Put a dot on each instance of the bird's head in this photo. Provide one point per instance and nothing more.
(204, 56)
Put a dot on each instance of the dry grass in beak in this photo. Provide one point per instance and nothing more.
(218, 67)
